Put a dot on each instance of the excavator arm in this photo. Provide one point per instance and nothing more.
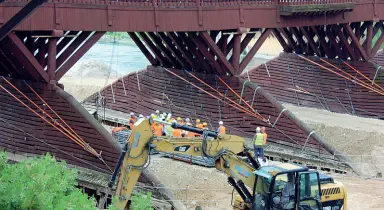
(223, 148)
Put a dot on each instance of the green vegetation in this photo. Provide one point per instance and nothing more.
(375, 40)
(45, 184)
(142, 202)
(118, 37)
(40, 184)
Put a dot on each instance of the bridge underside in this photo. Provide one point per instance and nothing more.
(293, 80)
(155, 89)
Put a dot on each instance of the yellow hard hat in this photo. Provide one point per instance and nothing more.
(178, 118)
(205, 124)
(169, 120)
(197, 120)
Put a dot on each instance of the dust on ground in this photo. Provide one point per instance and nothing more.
(362, 139)
(209, 188)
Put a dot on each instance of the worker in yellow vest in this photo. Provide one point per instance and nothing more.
(259, 143)
(168, 130)
(221, 129)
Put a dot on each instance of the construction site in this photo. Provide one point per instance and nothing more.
(96, 84)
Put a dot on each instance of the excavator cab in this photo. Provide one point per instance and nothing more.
(286, 186)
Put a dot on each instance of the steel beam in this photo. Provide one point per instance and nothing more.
(163, 61)
(236, 54)
(283, 43)
(291, 43)
(143, 49)
(344, 41)
(220, 55)
(33, 64)
(185, 53)
(51, 69)
(177, 54)
(165, 51)
(203, 48)
(379, 41)
(42, 52)
(78, 54)
(254, 49)
(192, 47)
(334, 44)
(299, 38)
(310, 41)
(322, 41)
(368, 46)
(72, 48)
(26, 11)
(356, 42)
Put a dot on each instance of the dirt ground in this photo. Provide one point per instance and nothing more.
(360, 138)
(208, 187)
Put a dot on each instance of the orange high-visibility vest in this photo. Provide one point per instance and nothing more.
(176, 133)
(222, 130)
(132, 121)
(200, 125)
(117, 129)
(157, 129)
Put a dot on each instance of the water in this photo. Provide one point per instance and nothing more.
(122, 59)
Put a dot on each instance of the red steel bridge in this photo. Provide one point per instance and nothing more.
(41, 40)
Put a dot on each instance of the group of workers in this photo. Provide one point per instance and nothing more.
(160, 129)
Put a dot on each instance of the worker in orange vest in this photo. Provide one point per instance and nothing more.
(198, 125)
(221, 129)
(189, 133)
(157, 129)
(205, 126)
(132, 120)
(265, 134)
(176, 133)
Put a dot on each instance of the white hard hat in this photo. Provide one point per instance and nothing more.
(157, 111)
(258, 129)
(187, 120)
(220, 122)
(152, 115)
(169, 115)
(141, 116)
(132, 114)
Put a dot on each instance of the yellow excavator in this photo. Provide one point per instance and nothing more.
(280, 186)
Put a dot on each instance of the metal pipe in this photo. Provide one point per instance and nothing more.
(308, 130)
(210, 133)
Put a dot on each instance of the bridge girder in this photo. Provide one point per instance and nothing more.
(352, 41)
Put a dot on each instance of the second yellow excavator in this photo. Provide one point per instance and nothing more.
(280, 186)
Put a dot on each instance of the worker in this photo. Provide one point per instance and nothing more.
(157, 129)
(180, 121)
(287, 199)
(258, 140)
(156, 116)
(221, 129)
(168, 130)
(198, 125)
(205, 126)
(176, 132)
(189, 133)
(265, 134)
(169, 116)
(132, 120)
(117, 129)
